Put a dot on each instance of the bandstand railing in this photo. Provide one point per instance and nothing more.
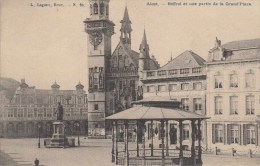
(156, 159)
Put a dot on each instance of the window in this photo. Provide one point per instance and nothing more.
(161, 88)
(233, 105)
(218, 82)
(102, 8)
(250, 134)
(79, 100)
(218, 105)
(184, 71)
(150, 74)
(71, 111)
(172, 87)
(196, 70)
(217, 133)
(197, 104)
(185, 86)
(162, 73)
(48, 112)
(250, 105)
(173, 72)
(234, 131)
(233, 80)
(40, 112)
(250, 80)
(10, 113)
(120, 84)
(186, 133)
(20, 113)
(185, 103)
(30, 113)
(197, 86)
(90, 9)
(150, 88)
(96, 107)
(95, 8)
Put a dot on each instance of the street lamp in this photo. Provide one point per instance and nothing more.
(78, 133)
(39, 136)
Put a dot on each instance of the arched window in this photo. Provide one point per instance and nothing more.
(91, 9)
(114, 61)
(95, 8)
(102, 8)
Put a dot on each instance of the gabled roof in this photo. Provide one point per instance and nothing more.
(187, 59)
(153, 65)
(131, 53)
(242, 44)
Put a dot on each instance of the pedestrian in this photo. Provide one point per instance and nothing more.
(36, 162)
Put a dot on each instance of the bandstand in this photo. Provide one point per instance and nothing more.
(141, 134)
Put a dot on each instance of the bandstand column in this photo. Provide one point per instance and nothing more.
(126, 144)
(193, 154)
(152, 137)
(113, 143)
(181, 150)
(167, 138)
(137, 134)
(199, 143)
(116, 155)
(143, 140)
(162, 136)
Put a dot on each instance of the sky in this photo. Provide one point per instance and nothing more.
(48, 44)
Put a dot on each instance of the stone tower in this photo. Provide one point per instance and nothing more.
(99, 29)
(143, 64)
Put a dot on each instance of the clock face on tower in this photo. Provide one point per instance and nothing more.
(95, 38)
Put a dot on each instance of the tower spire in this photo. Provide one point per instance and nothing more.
(126, 28)
(144, 47)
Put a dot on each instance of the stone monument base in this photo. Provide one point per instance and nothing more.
(59, 139)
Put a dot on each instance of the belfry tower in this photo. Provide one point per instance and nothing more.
(99, 29)
(126, 29)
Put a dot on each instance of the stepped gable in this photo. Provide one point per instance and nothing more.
(187, 59)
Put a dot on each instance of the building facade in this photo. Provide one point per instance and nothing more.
(182, 79)
(27, 110)
(113, 75)
(233, 94)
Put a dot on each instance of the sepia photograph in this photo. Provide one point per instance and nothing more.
(129, 82)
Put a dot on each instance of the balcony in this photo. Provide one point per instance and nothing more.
(122, 73)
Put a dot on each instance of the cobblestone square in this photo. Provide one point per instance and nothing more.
(92, 152)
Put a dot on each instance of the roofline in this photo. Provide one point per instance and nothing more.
(232, 61)
(203, 118)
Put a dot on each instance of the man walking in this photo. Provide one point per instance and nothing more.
(36, 162)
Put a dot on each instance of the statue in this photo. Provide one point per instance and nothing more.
(59, 112)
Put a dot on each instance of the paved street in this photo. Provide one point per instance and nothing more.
(22, 152)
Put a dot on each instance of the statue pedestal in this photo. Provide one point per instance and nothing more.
(58, 137)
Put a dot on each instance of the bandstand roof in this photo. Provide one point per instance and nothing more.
(141, 112)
